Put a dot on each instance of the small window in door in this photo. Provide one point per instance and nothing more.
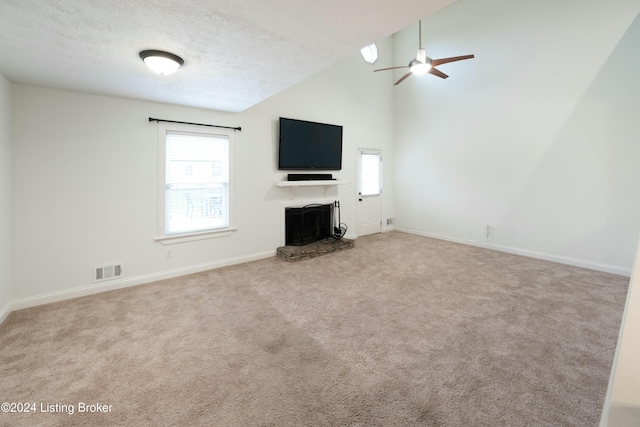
(370, 174)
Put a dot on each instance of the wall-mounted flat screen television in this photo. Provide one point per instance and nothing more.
(309, 145)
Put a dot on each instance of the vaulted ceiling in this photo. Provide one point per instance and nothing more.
(237, 53)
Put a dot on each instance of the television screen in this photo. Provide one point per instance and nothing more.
(309, 145)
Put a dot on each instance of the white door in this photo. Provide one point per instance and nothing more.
(369, 191)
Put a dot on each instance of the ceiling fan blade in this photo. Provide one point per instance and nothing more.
(437, 73)
(402, 78)
(441, 61)
(391, 68)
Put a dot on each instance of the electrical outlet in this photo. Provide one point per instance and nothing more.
(487, 232)
(168, 253)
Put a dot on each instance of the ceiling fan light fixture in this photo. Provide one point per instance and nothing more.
(417, 67)
(161, 62)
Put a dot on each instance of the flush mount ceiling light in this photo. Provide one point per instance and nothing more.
(161, 62)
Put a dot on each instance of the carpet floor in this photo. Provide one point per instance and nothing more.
(400, 330)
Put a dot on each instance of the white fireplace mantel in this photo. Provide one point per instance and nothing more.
(293, 185)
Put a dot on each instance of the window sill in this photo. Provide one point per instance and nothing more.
(191, 237)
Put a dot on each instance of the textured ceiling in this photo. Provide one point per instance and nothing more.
(236, 53)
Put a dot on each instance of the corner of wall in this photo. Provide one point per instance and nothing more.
(5, 198)
(5, 311)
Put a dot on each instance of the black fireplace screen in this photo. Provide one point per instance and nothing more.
(307, 224)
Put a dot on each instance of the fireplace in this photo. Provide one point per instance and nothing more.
(308, 224)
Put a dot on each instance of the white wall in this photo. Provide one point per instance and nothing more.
(85, 173)
(5, 197)
(622, 405)
(536, 137)
(350, 94)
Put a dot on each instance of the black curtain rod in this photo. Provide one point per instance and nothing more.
(151, 119)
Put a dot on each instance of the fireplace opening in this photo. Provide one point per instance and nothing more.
(308, 224)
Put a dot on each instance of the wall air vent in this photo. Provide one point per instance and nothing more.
(107, 272)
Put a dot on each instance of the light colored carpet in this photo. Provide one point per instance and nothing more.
(400, 330)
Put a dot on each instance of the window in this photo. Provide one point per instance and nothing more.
(370, 174)
(369, 53)
(196, 168)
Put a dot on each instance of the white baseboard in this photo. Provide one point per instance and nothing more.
(126, 282)
(5, 311)
(607, 268)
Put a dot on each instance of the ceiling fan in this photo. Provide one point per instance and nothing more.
(423, 64)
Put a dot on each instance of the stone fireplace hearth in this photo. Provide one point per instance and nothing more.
(317, 248)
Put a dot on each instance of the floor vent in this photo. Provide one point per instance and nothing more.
(106, 272)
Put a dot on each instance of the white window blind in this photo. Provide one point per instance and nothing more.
(196, 182)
